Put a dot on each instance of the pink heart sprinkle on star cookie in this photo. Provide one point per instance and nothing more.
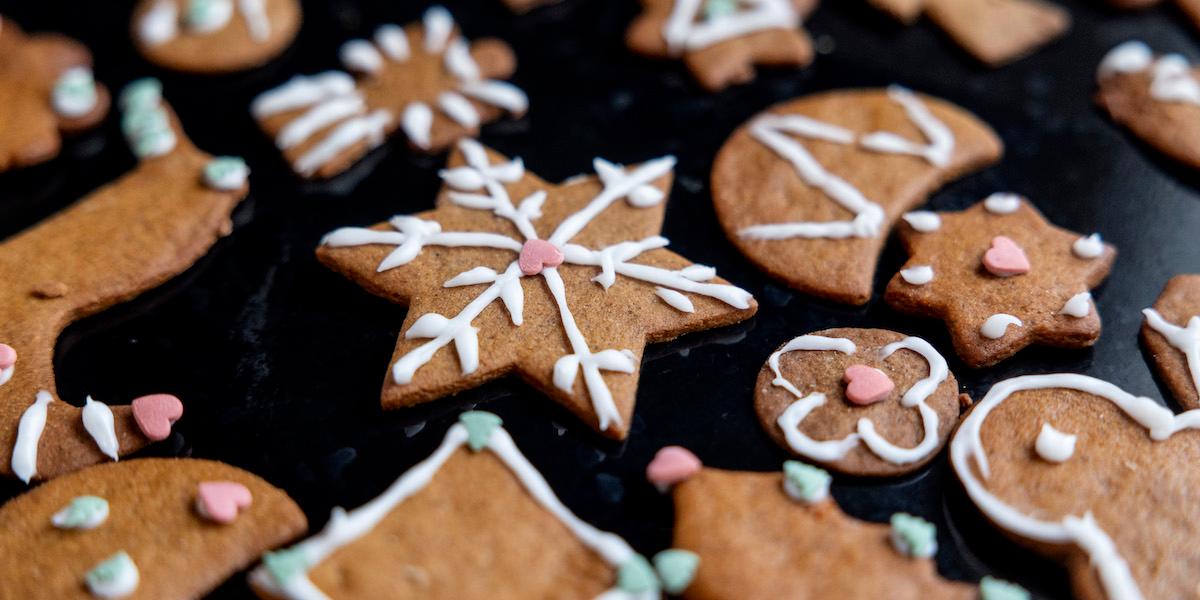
(221, 501)
(155, 414)
(867, 385)
(1005, 258)
(8, 356)
(672, 465)
(537, 255)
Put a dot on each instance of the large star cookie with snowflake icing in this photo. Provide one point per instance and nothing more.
(809, 189)
(1002, 278)
(1172, 335)
(722, 41)
(562, 285)
(425, 80)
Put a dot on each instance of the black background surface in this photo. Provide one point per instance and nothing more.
(279, 362)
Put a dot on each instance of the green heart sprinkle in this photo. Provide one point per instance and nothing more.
(480, 425)
(84, 512)
(636, 576)
(718, 8)
(913, 536)
(991, 588)
(285, 564)
(676, 569)
(142, 94)
(805, 482)
(111, 570)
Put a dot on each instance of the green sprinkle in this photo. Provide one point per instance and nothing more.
(138, 122)
(142, 94)
(676, 569)
(637, 576)
(718, 8)
(84, 512)
(480, 425)
(153, 143)
(805, 482)
(914, 536)
(112, 569)
(991, 588)
(285, 564)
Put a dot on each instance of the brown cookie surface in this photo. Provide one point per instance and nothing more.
(1089, 474)
(424, 80)
(217, 36)
(151, 515)
(955, 272)
(524, 6)
(562, 285)
(810, 411)
(139, 231)
(820, 227)
(46, 89)
(722, 41)
(1171, 333)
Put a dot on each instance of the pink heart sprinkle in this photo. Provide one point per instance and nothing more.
(220, 501)
(1005, 258)
(537, 255)
(672, 465)
(155, 413)
(8, 356)
(867, 385)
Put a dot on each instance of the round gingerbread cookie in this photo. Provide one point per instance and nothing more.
(214, 36)
(867, 402)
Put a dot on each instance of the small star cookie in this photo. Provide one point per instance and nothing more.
(214, 36)
(1172, 334)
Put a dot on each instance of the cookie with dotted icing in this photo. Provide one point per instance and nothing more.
(859, 401)
(1171, 332)
(809, 189)
(1002, 278)
(214, 36)
(1089, 474)
(127, 237)
(722, 41)
(562, 285)
(424, 80)
(137, 529)
(473, 520)
(48, 89)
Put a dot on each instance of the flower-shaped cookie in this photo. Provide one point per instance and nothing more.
(214, 36)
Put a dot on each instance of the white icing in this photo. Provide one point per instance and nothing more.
(1130, 57)
(997, 325)
(1088, 247)
(6, 374)
(302, 91)
(1078, 306)
(361, 56)
(61, 519)
(770, 130)
(393, 42)
(29, 434)
(1053, 445)
(417, 123)
(459, 63)
(218, 15)
(317, 118)
(923, 221)
(438, 27)
(255, 14)
(124, 584)
(67, 102)
(683, 31)
(1171, 78)
(160, 24)
(1002, 203)
(833, 450)
(368, 128)
(1186, 339)
(675, 300)
(98, 421)
(459, 109)
(497, 93)
(919, 275)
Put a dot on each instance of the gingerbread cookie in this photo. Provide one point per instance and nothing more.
(1002, 278)
(1083, 471)
(859, 401)
(722, 41)
(424, 79)
(123, 239)
(48, 90)
(1172, 335)
(1157, 98)
(560, 284)
(467, 522)
(214, 36)
(524, 6)
(781, 535)
(809, 189)
(147, 528)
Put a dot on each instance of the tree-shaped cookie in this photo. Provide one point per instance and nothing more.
(123, 239)
(1002, 278)
(1085, 472)
(425, 80)
(809, 189)
(214, 36)
(47, 89)
(169, 529)
(562, 285)
(722, 41)
(1172, 334)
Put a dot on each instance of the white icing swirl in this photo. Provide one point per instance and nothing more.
(923, 221)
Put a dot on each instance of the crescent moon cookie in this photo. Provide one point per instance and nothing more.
(562, 285)
(1156, 97)
(809, 189)
(1087, 473)
(467, 522)
(1002, 278)
(141, 529)
(722, 41)
(123, 239)
(1171, 333)
(859, 401)
(781, 535)
(214, 36)
(425, 80)
(48, 89)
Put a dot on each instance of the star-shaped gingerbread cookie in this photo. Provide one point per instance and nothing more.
(722, 41)
(1172, 334)
(1002, 278)
(562, 285)
(46, 89)
(425, 80)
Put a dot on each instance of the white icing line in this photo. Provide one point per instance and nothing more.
(301, 91)
(683, 32)
(361, 56)
(392, 40)
(1002, 203)
(996, 325)
(318, 117)
(458, 61)
(1185, 339)
(1078, 306)
(369, 128)
(919, 275)
(675, 300)
(98, 421)
(497, 93)
(160, 24)
(417, 123)
(940, 147)
(29, 434)
(923, 221)
(1053, 445)
(459, 109)
(438, 27)
(255, 14)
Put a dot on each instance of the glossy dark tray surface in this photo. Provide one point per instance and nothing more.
(280, 361)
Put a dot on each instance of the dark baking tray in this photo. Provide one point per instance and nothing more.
(280, 361)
